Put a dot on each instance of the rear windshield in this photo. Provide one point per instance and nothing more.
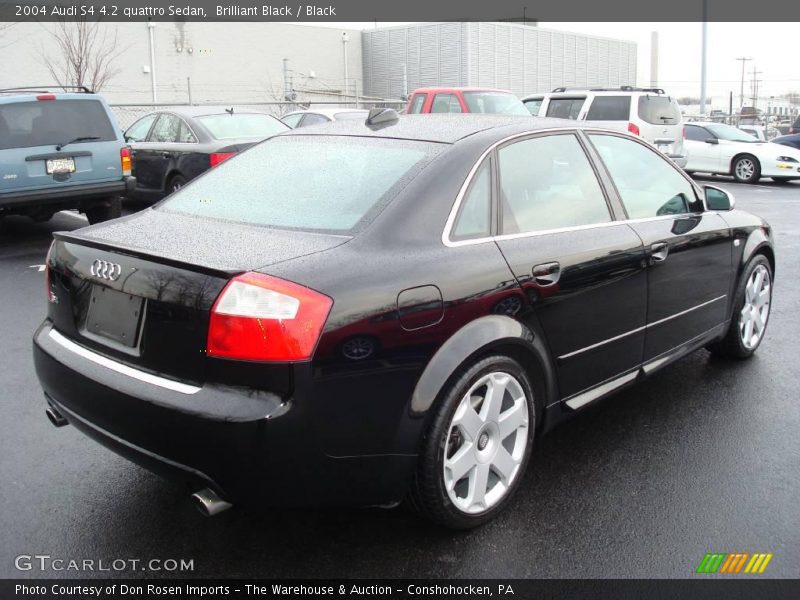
(495, 103)
(241, 125)
(610, 108)
(53, 122)
(659, 110)
(310, 183)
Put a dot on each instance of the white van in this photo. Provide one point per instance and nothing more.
(646, 112)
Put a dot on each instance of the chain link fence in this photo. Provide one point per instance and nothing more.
(127, 114)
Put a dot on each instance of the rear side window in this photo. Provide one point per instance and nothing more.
(53, 122)
(647, 183)
(167, 129)
(548, 183)
(659, 110)
(445, 103)
(242, 125)
(417, 103)
(610, 108)
(310, 183)
(534, 105)
(565, 108)
(474, 216)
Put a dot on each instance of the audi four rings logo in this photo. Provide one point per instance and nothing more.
(106, 270)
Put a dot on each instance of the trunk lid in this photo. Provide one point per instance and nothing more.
(140, 289)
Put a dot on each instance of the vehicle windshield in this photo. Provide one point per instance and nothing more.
(730, 133)
(53, 122)
(241, 125)
(496, 103)
(309, 183)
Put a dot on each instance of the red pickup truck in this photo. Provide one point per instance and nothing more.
(465, 100)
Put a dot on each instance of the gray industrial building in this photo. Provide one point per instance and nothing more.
(176, 62)
(521, 58)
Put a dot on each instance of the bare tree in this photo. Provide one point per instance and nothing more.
(86, 54)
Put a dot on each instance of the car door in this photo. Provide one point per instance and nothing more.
(688, 248)
(582, 272)
(136, 137)
(152, 156)
(703, 150)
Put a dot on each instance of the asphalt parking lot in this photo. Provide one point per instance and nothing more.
(703, 457)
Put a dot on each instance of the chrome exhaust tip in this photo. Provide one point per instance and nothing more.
(56, 418)
(209, 503)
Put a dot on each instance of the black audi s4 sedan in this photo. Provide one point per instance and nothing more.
(366, 312)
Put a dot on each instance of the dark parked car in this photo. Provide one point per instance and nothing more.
(61, 151)
(791, 140)
(505, 272)
(172, 147)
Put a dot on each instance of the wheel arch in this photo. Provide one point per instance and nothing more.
(739, 155)
(493, 334)
(758, 242)
(171, 174)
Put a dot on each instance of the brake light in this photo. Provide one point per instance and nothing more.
(46, 97)
(51, 297)
(260, 317)
(125, 160)
(683, 132)
(219, 157)
(633, 128)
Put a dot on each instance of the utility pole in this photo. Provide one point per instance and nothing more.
(344, 45)
(755, 86)
(704, 60)
(743, 60)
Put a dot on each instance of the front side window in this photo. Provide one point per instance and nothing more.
(548, 183)
(474, 216)
(730, 133)
(417, 103)
(648, 184)
(697, 134)
(565, 108)
(610, 108)
(139, 130)
(445, 103)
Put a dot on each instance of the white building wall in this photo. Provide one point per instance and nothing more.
(226, 62)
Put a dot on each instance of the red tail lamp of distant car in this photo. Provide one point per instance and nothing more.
(220, 157)
(262, 318)
(633, 128)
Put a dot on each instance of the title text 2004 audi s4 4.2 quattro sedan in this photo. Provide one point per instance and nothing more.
(364, 312)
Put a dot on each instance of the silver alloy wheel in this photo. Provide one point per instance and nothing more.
(745, 168)
(755, 312)
(486, 442)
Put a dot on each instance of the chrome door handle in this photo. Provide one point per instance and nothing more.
(547, 274)
(659, 252)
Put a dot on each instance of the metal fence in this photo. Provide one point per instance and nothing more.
(127, 114)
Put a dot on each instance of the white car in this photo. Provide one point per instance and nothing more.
(724, 149)
(647, 112)
(316, 116)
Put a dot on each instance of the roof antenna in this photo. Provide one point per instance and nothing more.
(229, 111)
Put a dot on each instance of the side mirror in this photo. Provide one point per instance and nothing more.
(712, 141)
(717, 199)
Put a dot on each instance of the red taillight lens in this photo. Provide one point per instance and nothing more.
(633, 128)
(51, 297)
(46, 97)
(218, 157)
(260, 317)
(125, 160)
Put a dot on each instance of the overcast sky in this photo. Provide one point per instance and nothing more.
(768, 44)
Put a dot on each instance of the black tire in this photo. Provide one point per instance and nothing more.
(105, 211)
(176, 182)
(732, 345)
(428, 495)
(754, 175)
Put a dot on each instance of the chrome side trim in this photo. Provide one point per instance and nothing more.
(593, 394)
(688, 310)
(113, 365)
(603, 343)
(639, 329)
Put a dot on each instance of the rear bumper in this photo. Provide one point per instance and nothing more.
(248, 446)
(73, 195)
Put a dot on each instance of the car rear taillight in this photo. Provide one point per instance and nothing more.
(633, 128)
(46, 97)
(125, 160)
(260, 317)
(51, 297)
(218, 157)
